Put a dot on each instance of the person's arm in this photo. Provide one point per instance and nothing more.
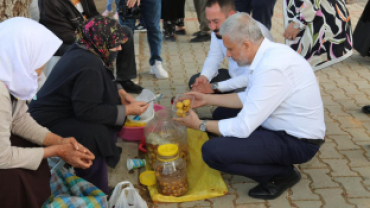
(87, 98)
(237, 82)
(269, 89)
(14, 157)
(213, 60)
(224, 100)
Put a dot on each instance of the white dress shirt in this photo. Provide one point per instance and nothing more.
(217, 53)
(282, 95)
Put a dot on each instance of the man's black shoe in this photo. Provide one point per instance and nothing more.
(197, 33)
(201, 38)
(275, 187)
(180, 32)
(366, 109)
(131, 87)
(172, 38)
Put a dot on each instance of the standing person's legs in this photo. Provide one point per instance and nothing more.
(108, 8)
(151, 13)
(262, 10)
(126, 64)
(109, 5)
(243, 6)
(203, 34)
(200, 6)
(128, 22)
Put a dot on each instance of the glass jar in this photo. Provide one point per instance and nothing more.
(163, 130)
(170, 171)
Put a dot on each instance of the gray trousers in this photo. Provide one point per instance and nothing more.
(200, 6)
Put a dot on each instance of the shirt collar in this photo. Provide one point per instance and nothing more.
(260, 53)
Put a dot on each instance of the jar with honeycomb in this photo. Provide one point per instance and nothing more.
(170, 171)
(163, 130)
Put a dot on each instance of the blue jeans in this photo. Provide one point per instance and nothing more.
(262, 10)
(151, 16)
(109, 5)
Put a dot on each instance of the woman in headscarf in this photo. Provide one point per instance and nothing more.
(319, 30)
(80, 98)
(24, 144)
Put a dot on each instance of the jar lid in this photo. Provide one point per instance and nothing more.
(168, 150)
(147, 178)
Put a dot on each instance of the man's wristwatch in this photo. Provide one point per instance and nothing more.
(214, 86)
(296, 25)
(202, 126)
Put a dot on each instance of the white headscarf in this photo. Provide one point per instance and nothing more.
(25, 45)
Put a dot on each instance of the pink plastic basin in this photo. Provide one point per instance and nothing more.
(131, 133)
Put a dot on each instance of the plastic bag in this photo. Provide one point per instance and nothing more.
(204, 182)
(68, 190)
(146, 95)
(126, 197)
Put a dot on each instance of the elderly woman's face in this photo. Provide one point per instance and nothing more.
(118, 48)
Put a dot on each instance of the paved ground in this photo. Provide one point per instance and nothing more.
(339, 175)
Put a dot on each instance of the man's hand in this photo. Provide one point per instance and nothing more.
(76, 158)
(136, 108)
(205, 88)
(290, 32)
(132, 3)
(190, 121)
(200, 79)
(199, 99)
(125, 97)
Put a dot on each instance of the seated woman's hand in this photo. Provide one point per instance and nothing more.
(136, 108)
(75, 144)
(125, 97)
(77, 159)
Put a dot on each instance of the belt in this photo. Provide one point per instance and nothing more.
(317, 142)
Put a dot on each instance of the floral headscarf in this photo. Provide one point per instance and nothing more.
(99, 34)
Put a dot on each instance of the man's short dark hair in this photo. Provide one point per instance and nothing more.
(225, 5)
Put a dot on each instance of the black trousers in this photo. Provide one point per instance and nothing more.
(125, 62)
(361, 39)
(223, 74)
(261, 156)
(262, 10)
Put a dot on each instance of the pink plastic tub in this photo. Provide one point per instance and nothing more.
(130, 133)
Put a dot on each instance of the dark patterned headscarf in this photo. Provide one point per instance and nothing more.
(99, 34)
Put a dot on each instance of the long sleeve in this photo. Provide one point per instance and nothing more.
(258, 103)
(24, 126)
(237, 82)
(213, 60)
(305, 11)
(87, 97)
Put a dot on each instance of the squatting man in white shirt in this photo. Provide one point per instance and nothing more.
(281, 121)
(212, 79)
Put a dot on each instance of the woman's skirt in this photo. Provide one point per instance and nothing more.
(24, 188)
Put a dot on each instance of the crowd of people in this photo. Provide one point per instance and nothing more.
(269, 113)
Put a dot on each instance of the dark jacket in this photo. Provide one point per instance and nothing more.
(361, 37)
(80, 99)
(62, 17)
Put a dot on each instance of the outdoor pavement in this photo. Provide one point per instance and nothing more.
(338, 176)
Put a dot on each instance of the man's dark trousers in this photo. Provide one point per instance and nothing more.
(262, 10)
(263, 155)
